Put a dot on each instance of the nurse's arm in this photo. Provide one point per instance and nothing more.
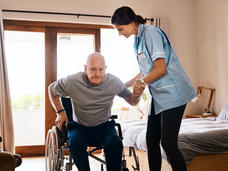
(157, 71)
(131, 82)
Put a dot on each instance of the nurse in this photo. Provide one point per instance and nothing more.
(167, 81)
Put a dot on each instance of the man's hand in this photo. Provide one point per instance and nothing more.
(138, 87)
(60, 119)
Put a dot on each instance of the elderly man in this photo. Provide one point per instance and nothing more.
(92, 93)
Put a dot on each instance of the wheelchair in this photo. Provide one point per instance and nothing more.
(57, 156)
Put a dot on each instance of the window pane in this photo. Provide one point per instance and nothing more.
(25, 61)
(120, 58)
(72, 52)
(119, 54)
(122, 62)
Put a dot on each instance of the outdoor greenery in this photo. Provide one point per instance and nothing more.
(28, 101)
(36, 102)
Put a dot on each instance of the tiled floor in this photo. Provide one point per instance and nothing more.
(38, 164)
(32, 163)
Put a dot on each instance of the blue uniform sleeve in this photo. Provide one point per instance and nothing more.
(155, 44)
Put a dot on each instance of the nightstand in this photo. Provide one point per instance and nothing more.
(200, 115)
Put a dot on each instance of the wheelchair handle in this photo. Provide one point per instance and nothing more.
(119, 130)
(113, 117)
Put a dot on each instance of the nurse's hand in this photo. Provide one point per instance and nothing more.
(139, 87)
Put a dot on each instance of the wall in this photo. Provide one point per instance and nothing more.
(180, 15)
(212, 45)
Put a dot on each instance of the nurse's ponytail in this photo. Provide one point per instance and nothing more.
(140, 19)
(125, 15)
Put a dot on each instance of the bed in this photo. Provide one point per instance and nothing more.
(202, 141)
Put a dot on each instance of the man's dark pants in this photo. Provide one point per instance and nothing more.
(105, 135)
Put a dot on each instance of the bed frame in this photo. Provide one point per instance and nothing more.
(210, 162)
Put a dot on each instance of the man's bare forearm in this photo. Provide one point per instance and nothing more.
(57, 105)
(133, 99)
(55, 101)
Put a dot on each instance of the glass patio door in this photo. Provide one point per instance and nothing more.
(72, 52)
(38, 53)
(25, 54)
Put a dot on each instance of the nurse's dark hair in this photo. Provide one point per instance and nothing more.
(125, 15)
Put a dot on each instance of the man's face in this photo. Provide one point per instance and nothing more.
(95, 70)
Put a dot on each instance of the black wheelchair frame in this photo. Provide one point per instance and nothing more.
(56, 147)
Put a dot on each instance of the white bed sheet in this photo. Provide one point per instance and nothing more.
(197, 136)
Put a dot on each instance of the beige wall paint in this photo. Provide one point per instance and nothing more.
(212, 48)
(180, 15)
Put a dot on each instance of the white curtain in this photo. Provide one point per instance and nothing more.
(6, 121)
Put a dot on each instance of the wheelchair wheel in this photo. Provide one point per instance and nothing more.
(51, 151)
(48, 152)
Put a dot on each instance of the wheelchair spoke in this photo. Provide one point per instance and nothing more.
(48, 152)
(51, 151)
(55, 150)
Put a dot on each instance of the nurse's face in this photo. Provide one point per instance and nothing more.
(127, 30)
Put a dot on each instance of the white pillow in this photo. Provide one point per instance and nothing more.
(223, 115)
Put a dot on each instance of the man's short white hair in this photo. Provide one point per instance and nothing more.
(95, 54)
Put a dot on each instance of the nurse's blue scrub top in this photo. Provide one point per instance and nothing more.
(174, 88)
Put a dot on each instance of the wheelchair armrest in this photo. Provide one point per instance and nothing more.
(113, 117)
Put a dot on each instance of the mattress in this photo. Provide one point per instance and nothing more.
(196, 136)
